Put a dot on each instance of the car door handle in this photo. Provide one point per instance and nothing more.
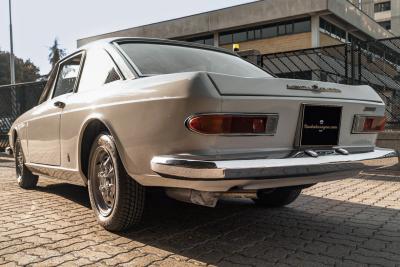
(59, 104)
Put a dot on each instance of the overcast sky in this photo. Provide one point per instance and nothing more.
(37, 23)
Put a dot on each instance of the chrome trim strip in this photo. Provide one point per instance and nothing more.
(314, 88)
(302, 96)
(56, 172)
(179, 167)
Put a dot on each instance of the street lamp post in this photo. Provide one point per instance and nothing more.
(13, 92)
(12, 64)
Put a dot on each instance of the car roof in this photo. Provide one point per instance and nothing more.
(108, 41)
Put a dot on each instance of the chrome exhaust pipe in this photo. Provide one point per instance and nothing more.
(8, 151)
(208, 199)
(239, 194)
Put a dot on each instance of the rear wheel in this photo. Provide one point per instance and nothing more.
(278, 197)
(25, 178)
(116, 199)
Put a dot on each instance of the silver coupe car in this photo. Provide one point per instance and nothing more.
(125, 115)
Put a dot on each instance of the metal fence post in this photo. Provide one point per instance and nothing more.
(14, 102)
(359, 63)
(352, 56)
(346, 67)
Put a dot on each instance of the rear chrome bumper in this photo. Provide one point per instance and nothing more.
(327, 165)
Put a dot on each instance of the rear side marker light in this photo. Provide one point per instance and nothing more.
(369, 124)
(233, 124)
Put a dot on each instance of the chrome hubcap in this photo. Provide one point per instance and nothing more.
(103, 181)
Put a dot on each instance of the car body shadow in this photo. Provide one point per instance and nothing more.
(73, 192)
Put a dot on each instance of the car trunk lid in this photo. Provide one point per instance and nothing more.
(239, 86)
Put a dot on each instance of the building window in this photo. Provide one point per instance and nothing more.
(206, 40)
(289, 28)
(251, 35)
(332, 30)
(302, 26)
(240, 37)
(225, 39)
(269, 31)
(381, 7)
(281, 29)
(265, 31)
(386, 24)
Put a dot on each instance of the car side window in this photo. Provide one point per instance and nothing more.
(49, 85)
(67, 76)
(99, 69)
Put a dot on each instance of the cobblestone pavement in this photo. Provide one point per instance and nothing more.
(354, 222)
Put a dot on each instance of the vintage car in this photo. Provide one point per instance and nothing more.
(128, 114)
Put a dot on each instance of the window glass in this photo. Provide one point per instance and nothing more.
(49, 85)
(225, 39)
(270, 31)
(155, 59)
(257, 34)
(98, 70)
(386, 24)
(281, 29)
(332, 30)
(209, 41)
(250, 35)
(239, 37)
(302, 26)
(67, 76)
(198, 41)
(289, 28)
(381, 7)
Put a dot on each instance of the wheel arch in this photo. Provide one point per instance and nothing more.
(92, 127)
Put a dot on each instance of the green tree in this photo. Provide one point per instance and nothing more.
(25, 70)
(56, 53)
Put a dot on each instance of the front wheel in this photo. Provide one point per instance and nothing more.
(116, 199)
(278, 197)
(25, 178)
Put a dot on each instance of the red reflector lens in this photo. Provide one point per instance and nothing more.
(233, 124)
(366, 124)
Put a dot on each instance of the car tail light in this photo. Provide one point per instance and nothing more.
(233, 124)
(369, 124)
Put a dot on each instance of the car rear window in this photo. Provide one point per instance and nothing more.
(155, 59)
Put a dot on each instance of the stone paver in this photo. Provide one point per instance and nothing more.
(353, 222)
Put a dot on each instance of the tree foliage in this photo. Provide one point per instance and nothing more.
(25, 70)
(56, 53)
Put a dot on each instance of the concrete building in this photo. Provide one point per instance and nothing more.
(387, 14)
(269, 26)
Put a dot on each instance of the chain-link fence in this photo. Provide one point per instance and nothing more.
(376, 63)
(15, 100)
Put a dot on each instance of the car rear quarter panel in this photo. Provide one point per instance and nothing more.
(146, 117)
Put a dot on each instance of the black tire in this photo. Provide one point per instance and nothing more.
(119, 207)
(278, 197)
(25, 178)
